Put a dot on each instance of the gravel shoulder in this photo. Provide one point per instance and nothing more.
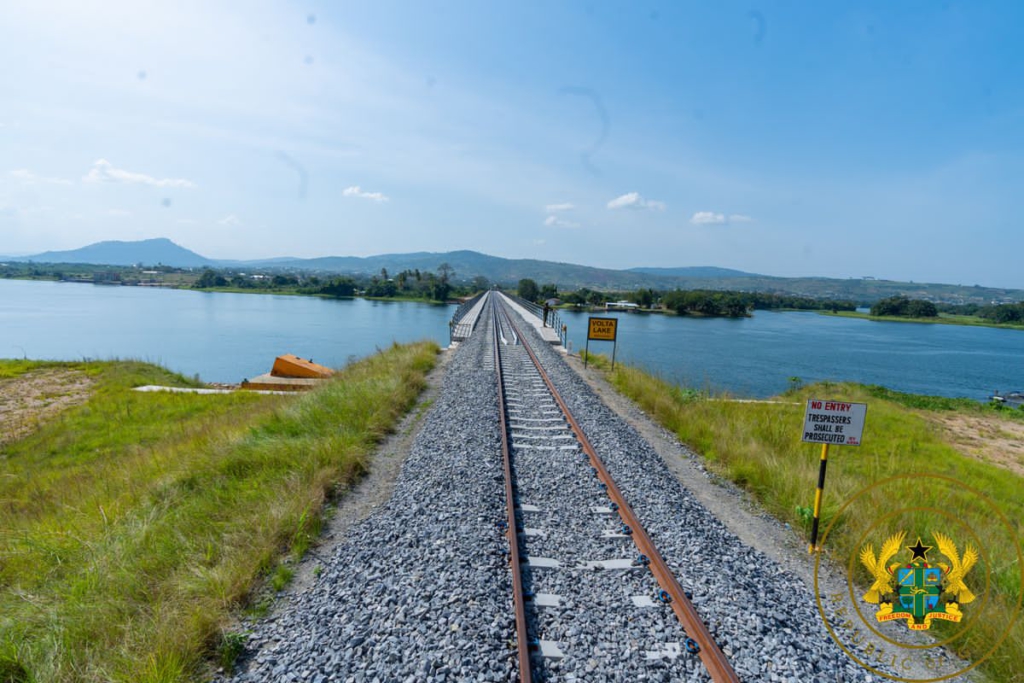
(373, 490)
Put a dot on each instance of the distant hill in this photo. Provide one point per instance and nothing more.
(567, 276)
(694, 272)
(469, 264)
(117, 253)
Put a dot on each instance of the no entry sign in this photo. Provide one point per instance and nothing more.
(834, 422)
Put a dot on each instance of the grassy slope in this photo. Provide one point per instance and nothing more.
(134, 524)
(757, 446)
(942, 319)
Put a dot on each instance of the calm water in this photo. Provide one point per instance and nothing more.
(222, 337)
(756, 356)
(225, 337)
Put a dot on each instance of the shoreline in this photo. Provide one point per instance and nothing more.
(941, 319)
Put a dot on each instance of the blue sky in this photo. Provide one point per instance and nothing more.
(835, 139)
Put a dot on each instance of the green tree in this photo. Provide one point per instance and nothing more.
(528, 289)
(918, 308)
(440, 290)
(893, 305)
(480, 283)
(339, 286)
(209, 278)
(548, 291)
(644, 298)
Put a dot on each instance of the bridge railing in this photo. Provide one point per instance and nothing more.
(554, 320)
(458, 330)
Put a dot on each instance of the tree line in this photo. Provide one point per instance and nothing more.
(408, 284)
(699, 302)
(1001, 314)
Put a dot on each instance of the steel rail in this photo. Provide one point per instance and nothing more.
(712, 656)
(518, 597)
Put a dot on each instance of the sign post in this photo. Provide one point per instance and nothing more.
(827, 423)
(601, 329)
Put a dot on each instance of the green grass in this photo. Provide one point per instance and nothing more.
(941, 319)
(757, 446)
(134, 525)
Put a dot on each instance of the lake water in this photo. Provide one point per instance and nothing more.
(226, 337)
(220, 337)
(756, 356)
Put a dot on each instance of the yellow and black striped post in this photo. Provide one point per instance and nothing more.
(817, 499)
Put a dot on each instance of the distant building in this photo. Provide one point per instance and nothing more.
(620, 306)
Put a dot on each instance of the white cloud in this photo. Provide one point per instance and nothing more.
(356, 191)
(186, 221)
(538, 243)
(231, 220)
(118, 212)
(712, 218)
(557, 208)
(103, 171)
(633, 200)
(556, 222)
(708, 218)
(27, 176)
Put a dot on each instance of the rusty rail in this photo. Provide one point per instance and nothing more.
(522, 642)
(712, 656)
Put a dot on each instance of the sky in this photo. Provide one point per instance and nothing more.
(843, 139)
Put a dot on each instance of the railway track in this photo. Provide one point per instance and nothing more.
(588, 582)
(420, 590)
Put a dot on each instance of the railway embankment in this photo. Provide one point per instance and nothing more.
(420, 590)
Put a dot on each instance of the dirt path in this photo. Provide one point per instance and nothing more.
(991, 439)
(29, 401)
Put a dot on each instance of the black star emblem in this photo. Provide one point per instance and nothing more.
(920, 550)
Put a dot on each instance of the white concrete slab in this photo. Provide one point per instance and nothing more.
(665, 651)
(152, 388)
(608, 533)
(610, 564)
(550, 649)
(543, 562)
(547, 600)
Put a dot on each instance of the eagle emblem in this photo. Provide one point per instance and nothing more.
(913, 590)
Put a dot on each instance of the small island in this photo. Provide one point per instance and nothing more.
(904, 309)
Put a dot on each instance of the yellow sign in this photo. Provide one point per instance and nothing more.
(602, 329)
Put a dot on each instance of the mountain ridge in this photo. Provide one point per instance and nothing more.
(150, 252)
(468, 264)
